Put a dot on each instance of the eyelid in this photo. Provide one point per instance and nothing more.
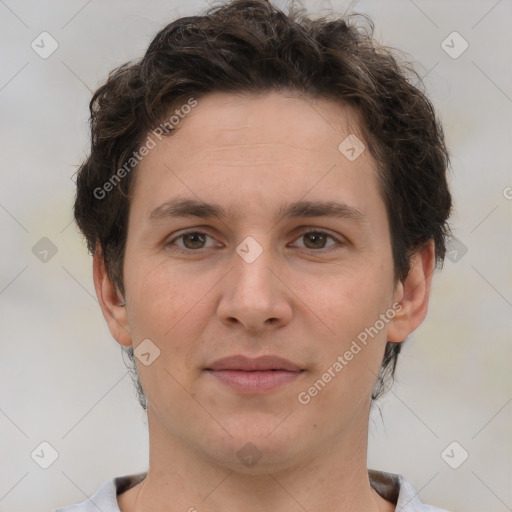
(187, 232)
(305, 231)
(300, 233)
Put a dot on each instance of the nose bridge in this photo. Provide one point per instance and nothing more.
(252, 262)
(254, 296)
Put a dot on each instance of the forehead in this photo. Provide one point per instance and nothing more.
(224, 119)
(258, 150)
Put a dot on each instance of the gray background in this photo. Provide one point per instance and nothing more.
(63, 378)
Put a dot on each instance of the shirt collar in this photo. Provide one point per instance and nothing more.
(394, 488)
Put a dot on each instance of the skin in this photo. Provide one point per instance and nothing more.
(300, 299)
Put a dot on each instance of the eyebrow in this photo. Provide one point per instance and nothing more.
(188, 207)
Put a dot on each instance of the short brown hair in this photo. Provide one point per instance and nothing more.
(250, 46)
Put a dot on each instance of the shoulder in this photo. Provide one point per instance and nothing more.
(399, 490)
(105, 498)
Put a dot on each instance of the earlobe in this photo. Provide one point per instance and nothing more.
(111, 301)
(413, 295)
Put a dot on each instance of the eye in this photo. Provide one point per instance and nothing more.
(192, 240)
(195, 240)
(315, 239)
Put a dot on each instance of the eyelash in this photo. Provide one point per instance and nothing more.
(192, 231)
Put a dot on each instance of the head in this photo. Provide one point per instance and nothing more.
(253, 109)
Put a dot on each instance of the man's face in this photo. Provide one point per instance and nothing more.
(255, 283)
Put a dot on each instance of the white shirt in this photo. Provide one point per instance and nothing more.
(394, 488)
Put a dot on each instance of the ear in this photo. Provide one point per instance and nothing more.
(413, 295)
(111, 301)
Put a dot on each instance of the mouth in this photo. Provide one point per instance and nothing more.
(254, 375)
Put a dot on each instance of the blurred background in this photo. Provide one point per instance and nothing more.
(446, 425)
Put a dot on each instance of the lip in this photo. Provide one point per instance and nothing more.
(254, 375)
(262, 363)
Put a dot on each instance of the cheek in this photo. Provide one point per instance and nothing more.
(168, 309)
(351, 326)
(158, 299)
(350, 301)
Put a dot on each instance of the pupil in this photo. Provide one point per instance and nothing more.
(189, 236)
(317, 236)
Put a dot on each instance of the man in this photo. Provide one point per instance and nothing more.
(266, 201)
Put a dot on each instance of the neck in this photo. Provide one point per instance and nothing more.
(180, 478)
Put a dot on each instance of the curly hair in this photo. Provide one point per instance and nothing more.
(250, 46)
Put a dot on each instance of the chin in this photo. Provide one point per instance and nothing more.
(256, 448)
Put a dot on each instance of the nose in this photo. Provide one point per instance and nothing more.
(255, 295)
